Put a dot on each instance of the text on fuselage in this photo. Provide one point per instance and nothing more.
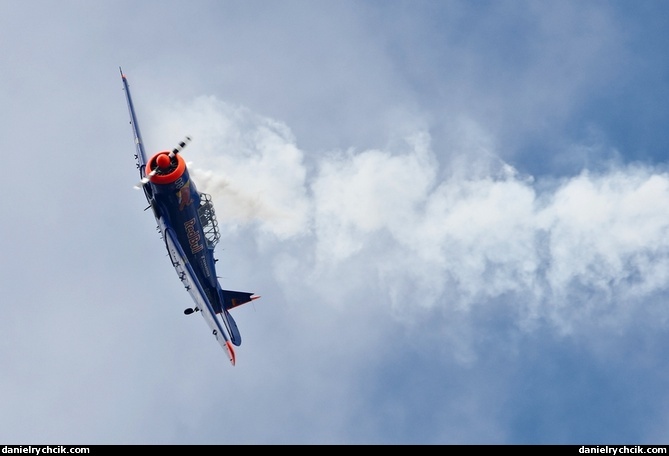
(194, 237)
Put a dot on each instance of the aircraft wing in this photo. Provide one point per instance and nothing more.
(192, 284)
(170, 192)
(140, 154)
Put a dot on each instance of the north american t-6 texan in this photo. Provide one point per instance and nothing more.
(187, 223)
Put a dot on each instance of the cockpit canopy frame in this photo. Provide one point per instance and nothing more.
(208, 219)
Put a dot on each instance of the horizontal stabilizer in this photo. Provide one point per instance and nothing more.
(232, 299)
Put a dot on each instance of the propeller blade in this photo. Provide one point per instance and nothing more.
(180, 147)
(145, 180)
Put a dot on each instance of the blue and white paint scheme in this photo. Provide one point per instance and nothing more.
(188, 225)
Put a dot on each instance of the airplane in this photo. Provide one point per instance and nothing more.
(188, 226)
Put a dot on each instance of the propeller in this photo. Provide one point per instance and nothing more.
(163, 161)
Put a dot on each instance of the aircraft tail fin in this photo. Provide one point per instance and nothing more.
(231, 326)
(230, 300)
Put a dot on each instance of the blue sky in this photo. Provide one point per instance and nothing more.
(455, 213)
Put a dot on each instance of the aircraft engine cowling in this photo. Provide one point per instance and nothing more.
(165, 167)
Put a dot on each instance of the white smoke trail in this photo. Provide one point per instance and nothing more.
(590, 250)
(249, 163)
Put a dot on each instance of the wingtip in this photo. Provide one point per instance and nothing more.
(231, 352)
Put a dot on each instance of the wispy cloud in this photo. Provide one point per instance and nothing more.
(399, 225)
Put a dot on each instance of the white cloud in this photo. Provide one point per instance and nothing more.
(249, 162)
(474, 304)
(383, 223)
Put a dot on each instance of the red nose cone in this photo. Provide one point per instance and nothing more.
(163, 161)
(165, 168)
